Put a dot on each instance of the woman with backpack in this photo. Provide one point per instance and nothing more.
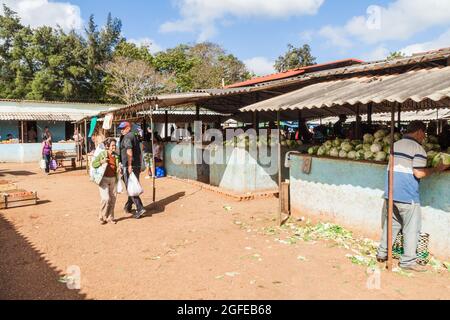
(107, 172)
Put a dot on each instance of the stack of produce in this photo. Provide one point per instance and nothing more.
(376, 148)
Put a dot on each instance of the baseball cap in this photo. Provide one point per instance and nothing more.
(124, 125)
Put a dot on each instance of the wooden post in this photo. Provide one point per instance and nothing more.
(280, 204)
(391, 192)
(399, 117)
(166, 124)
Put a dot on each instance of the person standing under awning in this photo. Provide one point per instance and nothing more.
(410, 166)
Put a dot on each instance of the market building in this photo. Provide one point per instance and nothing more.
(22, 124)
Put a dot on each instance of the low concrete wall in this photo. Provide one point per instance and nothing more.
(29, 152)
(236, 170)
(350, 193)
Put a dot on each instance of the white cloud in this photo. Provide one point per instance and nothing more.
(399, 20)
(379, 53)
(260, 66)
(335, 36)
(42, 12)
(442, 41)
(201, 16)
(152, 45)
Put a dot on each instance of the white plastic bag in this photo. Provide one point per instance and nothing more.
(42, 164)
(119, 186)
(134, 188)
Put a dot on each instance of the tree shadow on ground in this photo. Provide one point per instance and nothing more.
(25, 274)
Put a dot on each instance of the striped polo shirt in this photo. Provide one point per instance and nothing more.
(408, 155)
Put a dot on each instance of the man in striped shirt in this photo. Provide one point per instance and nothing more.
(410, 165)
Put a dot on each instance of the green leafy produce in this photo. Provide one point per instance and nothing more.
(337, 142)
(343, 154)
(387, 149)
(380, 134)
(321, 151)
(397, 136)
(376, 147)
(356, 142)
(380, 156)
(351, 155)
(334, 152)
(346, 146)
(359, 155)
(359, 147)
(366, 147)
(368, 138)
(368, 155)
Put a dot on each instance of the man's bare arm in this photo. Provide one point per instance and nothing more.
(426, 172)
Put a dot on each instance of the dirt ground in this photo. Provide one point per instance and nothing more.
(188, 247)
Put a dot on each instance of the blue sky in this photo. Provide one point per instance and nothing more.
(257, 31)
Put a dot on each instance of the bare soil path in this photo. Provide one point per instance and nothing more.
(190, 247)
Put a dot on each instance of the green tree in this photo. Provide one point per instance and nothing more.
(295, 58)
(395, 55)
(132, 51)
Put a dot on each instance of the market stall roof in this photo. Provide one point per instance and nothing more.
(26, 110)
(422, 115)
(416, 89)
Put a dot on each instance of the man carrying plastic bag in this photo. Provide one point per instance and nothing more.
(130, 156)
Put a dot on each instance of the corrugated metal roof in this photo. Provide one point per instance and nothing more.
(415, 86)
(295, 72)
(61, 102)
(423, 115)
(24, 116)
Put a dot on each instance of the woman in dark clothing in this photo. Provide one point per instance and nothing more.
(47, 153)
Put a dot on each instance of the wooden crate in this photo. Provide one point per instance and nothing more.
(18, 198)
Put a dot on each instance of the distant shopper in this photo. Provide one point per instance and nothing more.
(32, 135)
(108, 184)
(9, 136)
(78, 138)
(444, 137)
(47, 153)
(157, 156)
(47, 134)
(410, 165)
(338, 127)
(130, 159)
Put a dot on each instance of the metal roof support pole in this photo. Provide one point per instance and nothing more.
(257, 123)
(22, 133)
(166, 124)
(391, 191)
(369, 113)
(299, 122)
(280, 209)
(358, 123)
(86, 145)
(153, 155)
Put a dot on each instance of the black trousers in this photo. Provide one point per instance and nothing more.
(132, 200)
